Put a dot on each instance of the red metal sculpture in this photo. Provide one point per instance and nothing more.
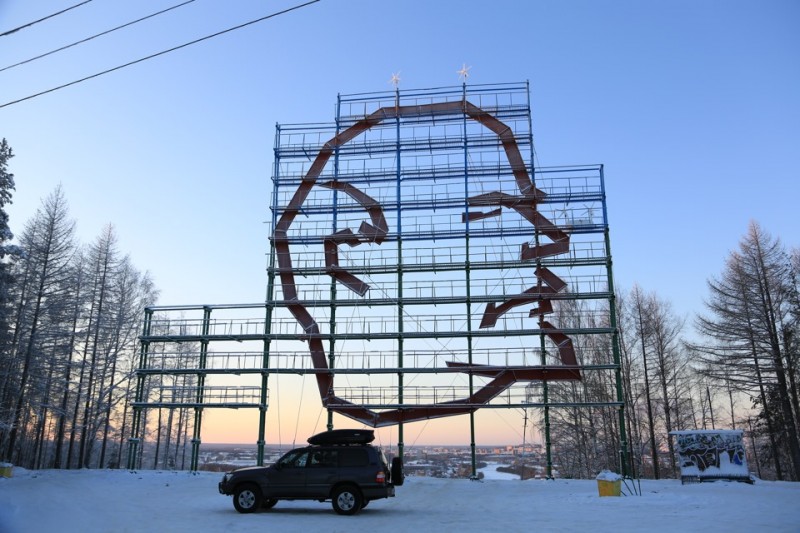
(548, 283)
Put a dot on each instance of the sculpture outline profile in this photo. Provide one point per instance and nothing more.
(376, 231)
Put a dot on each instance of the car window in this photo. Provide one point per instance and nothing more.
(294, 459)
(353, 457)
(324, 458)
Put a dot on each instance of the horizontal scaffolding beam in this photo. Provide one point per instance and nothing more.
(360, 371)
(206, 405)
(378, 407)
(518, 405)
(373, 336)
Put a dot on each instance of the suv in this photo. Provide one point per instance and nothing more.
(338, 465)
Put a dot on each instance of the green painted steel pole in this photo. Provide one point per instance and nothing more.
(264, 395)
(467, 270)
(400, 303)
(201, 380)
(623, 440)
(334, 229)
(144, 348)
(269, 307)
(542, 336)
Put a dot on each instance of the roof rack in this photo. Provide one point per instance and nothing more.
(342, 437)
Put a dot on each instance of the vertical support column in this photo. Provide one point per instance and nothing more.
(612, 304)
(334, 229)
(201, 380)
(539, 284)
(471, 378)
(264, 394)
(545, 401)
(400, 302)
(269, 304)
(144, 348)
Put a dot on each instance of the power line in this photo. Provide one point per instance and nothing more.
(240, 26)
(96, 35)
(9, 32)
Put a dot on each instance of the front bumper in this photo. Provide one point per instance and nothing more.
(223, 486)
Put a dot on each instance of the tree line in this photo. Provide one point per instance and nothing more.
(69, 321)
(736, 367)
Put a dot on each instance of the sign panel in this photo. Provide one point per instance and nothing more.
(708, 455)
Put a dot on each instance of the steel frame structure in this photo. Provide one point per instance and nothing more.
(411, 238)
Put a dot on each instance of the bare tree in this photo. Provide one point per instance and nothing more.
(641, 309)
(750, 311)
(132, 292)
(632, 373)
(48, 243)
(78, 284)
(74, 319)
(103, 261)
(666, 344)
(587, 436)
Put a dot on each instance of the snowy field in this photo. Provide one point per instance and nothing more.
(153, 501)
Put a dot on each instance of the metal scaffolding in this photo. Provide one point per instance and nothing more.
(416, 249)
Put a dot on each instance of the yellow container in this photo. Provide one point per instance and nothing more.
(608, 488)
(5, 471)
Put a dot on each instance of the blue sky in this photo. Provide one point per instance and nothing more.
(692, 106)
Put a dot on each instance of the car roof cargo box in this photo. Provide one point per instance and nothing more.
(343, 436)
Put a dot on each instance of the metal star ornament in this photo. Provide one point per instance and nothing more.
(395, 79)
(463, 74)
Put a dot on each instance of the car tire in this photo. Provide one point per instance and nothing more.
(269, 503)
(346, 500)
(398, 475)
(247, 498)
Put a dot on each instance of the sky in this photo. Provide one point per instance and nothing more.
(691, 106)
(81, 501)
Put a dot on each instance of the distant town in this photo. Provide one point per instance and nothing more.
(492, 462)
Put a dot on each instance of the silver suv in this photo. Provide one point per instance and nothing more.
(339, 466)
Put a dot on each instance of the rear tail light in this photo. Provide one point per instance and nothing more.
(381, 477)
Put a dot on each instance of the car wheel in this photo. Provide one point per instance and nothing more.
(269, 503)
(247, 498)
(347, 500)
(398, 476)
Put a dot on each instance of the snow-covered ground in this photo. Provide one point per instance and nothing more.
(152, 501)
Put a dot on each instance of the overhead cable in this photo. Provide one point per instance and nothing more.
(9, 32)
(96, 35)
(119, 67)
